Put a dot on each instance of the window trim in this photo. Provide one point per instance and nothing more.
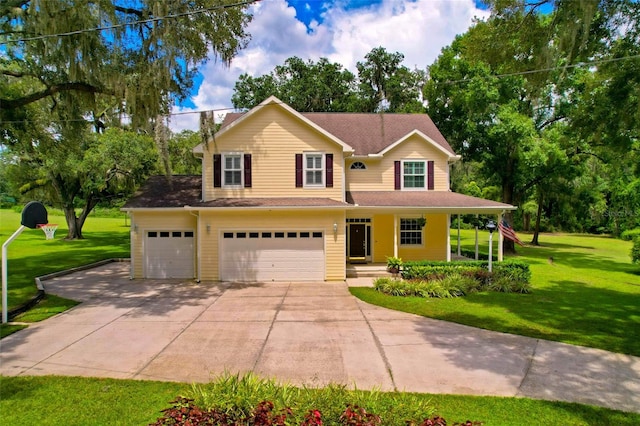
(421, 231)
(224, 169)
(425, 165)
(322, 169)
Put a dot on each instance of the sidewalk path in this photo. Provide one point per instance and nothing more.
(302, 333)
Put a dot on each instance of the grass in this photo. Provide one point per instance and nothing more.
(52, 400)
(31, 255)
(588, 294)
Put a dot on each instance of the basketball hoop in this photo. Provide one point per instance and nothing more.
(49, 230)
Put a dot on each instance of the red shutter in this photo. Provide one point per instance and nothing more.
(217, 171)
(247, 170)
(329, 170)
(429, 174)
(298, 170)
(397, 175)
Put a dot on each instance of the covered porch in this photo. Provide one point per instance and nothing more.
(409, 225)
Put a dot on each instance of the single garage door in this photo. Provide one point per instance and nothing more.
(169, 254)
(272, 256)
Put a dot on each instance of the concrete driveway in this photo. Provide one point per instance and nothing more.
(302, 333)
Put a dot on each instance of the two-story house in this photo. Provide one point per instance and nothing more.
(291, 196)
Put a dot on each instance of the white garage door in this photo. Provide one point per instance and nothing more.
(272, 256)
(169, 254)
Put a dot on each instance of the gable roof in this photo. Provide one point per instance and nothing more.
(370, 133)
(271, 101)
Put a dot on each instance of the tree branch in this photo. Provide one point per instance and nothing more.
(129, 11)
(52, 90)
(14, 73)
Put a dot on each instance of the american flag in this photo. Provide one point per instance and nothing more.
(507, 231)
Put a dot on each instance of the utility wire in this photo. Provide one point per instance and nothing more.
(527, 72)
(563, 67)
(131, 24)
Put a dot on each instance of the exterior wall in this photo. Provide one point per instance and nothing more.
(379, 173)
(155, 221)
(434, 238)
(273, 136)
(274, 220)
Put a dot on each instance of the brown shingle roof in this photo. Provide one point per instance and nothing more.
(161, 192)
(369, 133)
(422, 199)
(272, 202)
(180, 191)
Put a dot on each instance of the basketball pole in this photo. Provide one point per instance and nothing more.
(5, 313)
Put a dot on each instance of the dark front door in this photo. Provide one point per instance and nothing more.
(357, 238)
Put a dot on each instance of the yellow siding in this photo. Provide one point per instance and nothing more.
(434, 238)
(153, 221)
(379, 175)
(274, 221)
(273, 136)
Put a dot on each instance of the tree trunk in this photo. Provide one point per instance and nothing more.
(75, 228)
(536, 230)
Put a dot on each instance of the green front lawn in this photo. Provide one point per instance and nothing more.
(587, 294)
(31, 255)
(54, 400)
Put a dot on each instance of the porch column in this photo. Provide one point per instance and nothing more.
(459, 252)
(476, 226)
(395, 235)
(449, 237)
(500, 240)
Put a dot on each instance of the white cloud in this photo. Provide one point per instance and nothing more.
(418, 29)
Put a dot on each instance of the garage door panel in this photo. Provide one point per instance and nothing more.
(272, 256)
(169, 254)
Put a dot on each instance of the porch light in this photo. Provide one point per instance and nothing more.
(335, 228)
(491, 226)
(208, 228)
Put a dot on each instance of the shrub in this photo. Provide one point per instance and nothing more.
(390, 286)
(635, 250)
(512, 276)
(453, 279)
(630, 234)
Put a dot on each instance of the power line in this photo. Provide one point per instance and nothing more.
(131, 24)
(576, 65)
(527, 72)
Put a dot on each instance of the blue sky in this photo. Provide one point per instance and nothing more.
(343, 31)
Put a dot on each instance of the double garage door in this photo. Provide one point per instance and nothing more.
(169, 254)
(272, 256)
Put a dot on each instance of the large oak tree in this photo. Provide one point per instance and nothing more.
(68, 63)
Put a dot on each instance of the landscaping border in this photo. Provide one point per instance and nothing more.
(41, 290)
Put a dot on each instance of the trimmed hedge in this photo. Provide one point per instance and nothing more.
(453, 279)
(630, 234)
(635, 250)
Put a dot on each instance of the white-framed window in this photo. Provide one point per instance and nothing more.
(314, 169)
(232, 169)
(358, 165)
(414, 174)
(410, 232)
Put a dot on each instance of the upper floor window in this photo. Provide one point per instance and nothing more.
(232, 169)
(313, 169)
(413, 174)
(358, 165)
